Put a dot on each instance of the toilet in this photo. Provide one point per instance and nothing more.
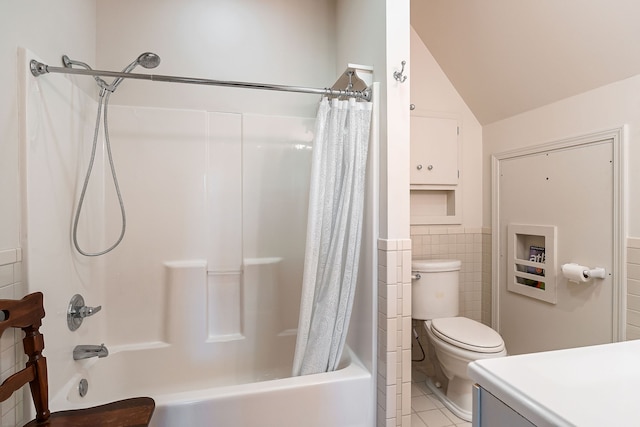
(455, 340)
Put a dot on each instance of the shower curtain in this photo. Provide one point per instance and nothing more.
(334, 230)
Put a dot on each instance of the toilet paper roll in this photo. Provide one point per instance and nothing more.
(575, 272)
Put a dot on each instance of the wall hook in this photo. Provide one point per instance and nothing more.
(398, 75)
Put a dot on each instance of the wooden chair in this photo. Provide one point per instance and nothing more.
(27, 315)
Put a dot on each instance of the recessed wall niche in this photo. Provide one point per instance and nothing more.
(531, 251)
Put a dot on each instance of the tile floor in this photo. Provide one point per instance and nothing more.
(426, 409)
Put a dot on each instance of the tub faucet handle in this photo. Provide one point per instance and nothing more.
(87, 311)
(77, 311)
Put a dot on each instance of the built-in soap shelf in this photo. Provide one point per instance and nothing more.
(531, 251)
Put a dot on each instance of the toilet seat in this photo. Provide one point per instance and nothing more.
(467, 334)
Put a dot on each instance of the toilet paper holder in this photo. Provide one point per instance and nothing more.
(587, 273)
(598, 273)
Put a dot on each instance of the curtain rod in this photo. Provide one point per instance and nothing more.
(38, 69)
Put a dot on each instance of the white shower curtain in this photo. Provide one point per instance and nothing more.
(334, 230)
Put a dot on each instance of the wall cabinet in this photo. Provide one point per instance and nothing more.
(434, 170)
(434, 150)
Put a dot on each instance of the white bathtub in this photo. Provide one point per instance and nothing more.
(336, 399)
(238, 379)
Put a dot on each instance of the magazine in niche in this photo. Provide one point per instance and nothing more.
(536, 254)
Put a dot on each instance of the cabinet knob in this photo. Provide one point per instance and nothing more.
(430, 167)
(419, 167)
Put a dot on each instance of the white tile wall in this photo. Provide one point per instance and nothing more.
(12, 357)
(633, 289)
(394, 333)
(472, 246)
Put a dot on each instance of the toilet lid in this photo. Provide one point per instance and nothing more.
(467, 334)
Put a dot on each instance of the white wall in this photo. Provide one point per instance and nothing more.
(50, 29)
(395, 141)
(279, 42)
(607, 107)
(432, 92)
(377, 34)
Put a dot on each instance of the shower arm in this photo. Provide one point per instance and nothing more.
(38, 69)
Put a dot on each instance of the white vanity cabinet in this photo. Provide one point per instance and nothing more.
(592, 386)
(489, 411)
(434, 150)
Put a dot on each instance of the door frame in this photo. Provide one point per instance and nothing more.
(617, 135)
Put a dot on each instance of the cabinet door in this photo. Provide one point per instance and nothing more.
(489, 411)
(434, 150)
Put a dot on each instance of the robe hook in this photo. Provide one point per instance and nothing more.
(398, 75)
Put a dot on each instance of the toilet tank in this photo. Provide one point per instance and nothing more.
(435, 293)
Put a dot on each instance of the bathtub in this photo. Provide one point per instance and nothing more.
(207, 374)
(186, 396)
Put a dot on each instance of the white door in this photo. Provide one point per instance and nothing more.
(571, 188)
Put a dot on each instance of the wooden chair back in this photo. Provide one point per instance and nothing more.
(27, 314)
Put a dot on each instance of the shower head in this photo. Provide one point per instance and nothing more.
(147, 60)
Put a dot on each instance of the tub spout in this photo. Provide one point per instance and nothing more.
(88, 351)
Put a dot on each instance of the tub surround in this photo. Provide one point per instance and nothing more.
(562, 388)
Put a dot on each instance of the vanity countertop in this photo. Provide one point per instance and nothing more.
(587, 386)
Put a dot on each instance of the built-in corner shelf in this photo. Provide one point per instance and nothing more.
(531, 266)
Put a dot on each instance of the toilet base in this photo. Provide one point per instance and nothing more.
(452, 406)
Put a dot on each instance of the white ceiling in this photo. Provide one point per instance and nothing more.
(509, 56)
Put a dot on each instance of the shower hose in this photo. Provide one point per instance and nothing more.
(104, 99)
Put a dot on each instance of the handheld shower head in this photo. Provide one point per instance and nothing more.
(147, 60)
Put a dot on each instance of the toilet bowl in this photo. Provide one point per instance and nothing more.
(456, 340)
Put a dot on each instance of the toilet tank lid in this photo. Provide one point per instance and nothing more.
(435, 265)
(468, 334)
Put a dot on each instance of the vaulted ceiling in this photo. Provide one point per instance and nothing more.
(505, 57)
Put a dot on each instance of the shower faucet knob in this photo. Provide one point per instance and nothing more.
(77, 311)
(87, 311)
